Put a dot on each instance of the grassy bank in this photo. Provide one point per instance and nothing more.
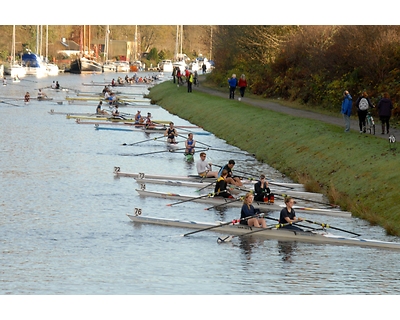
(357, 172)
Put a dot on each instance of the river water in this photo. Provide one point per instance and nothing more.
(64, 228)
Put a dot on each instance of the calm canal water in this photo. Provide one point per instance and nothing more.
(64, 229)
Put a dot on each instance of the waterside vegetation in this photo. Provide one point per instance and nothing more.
(357, 172)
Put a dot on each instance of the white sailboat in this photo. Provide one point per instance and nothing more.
(179, 57)
(52, 69)
(108, 65)
(15, 70)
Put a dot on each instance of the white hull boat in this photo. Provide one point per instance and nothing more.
(219, 201)
(268, 233)
(196, 178)
(246, 187)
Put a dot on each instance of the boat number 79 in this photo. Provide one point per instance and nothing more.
(141, 175)
(138, 211)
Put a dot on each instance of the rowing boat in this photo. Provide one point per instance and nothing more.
(110, 118)
(277, 234)
(216, 201)
(210, 185)
(130, 100)
(93, 83)
(197, 178)
(143, 129)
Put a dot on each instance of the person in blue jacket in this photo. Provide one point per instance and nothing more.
(347, 104)
(232, 86)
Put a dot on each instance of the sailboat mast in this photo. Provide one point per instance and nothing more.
(47, 42)
(176, 43)
(136, 46)
(181, 40)
(13, 47)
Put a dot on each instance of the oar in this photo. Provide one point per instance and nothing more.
(132, 144)
(324, 225)
(169, 150)
(11, 104)
(208, 185)
(196, 141)
(229, 238)
(229, 151)
(314, 201)
(234, 221)
(225, 203)
(251, 178)
(301, 225)
(194, 198)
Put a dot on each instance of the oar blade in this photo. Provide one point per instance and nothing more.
(224, 240)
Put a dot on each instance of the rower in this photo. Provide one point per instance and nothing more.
(204, 168)
(115, 111)
(148, 123)
(231, 179)
(99, 110)
(190, 144)
(53, 85)
(248, 212)
(138, 118)
(171, 133)
(27, 97)
(221, 186)
(262, 191)
(41, 95)
(288, 215)
(57, 85)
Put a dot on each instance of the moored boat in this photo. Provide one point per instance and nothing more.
(273, 233)
(210, 199)
(85, 65)
(33, 64)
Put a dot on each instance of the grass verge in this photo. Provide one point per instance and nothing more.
(357, 172)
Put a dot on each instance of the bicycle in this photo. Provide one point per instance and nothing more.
(370, 123)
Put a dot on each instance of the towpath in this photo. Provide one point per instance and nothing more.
(301, 113)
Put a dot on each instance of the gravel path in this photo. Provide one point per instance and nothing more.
(300, 113)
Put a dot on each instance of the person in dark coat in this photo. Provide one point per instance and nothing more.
(385, 107)
(363, 103)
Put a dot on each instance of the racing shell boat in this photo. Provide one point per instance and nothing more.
(197, 178)
(246, 187)
(216, 201)
(269, 233)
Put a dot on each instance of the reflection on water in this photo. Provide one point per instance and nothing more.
(286, 250)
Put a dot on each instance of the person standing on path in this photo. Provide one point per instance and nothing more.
(190, 81)
(242, 84)
(363, 103)
(346, 109)
(232, 86)
(385, 107)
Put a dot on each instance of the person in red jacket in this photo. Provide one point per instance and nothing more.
(242, 84)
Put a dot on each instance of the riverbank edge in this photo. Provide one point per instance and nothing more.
(320, 171)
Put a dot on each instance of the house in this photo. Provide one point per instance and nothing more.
(67, 47)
